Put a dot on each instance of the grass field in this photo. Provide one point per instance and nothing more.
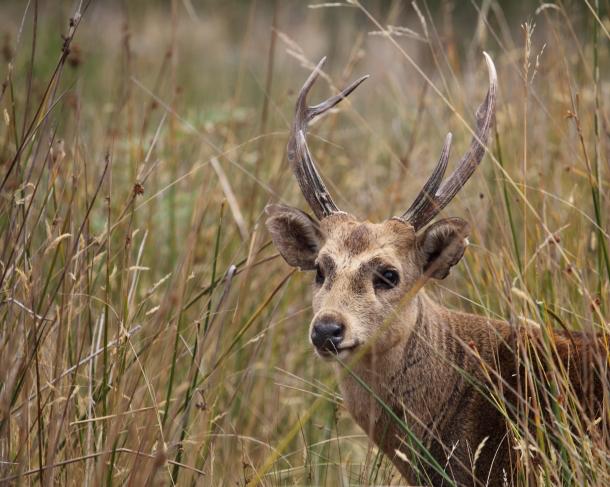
(135, 170)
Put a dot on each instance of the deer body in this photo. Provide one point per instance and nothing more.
(434, 367)
(419, 381)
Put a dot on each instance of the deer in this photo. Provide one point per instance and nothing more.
(434, 368)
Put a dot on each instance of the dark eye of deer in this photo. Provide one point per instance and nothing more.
(386, 279)
(319, 275)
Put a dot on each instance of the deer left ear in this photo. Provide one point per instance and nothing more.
(442, 245)
(296, 235)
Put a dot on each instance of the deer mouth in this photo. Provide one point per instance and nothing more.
(327, 353)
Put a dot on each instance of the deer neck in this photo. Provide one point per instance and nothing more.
(399, 374)
(414, 378)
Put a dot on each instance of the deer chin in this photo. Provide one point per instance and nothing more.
(342, 353)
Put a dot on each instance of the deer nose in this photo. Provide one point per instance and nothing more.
(327, 335)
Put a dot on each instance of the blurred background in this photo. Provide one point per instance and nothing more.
(167, 124)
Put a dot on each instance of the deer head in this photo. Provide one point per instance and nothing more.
(364, 270)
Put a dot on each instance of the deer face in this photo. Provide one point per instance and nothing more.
(365, 271)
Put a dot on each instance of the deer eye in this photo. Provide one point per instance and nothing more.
(386, 279)
(319, 275)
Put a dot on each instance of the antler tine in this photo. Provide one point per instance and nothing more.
(425, 199)
(432, 199)
(302, 163)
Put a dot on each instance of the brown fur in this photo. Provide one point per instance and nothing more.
(424, 358)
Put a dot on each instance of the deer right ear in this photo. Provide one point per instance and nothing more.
(295, 234)
(442, 245)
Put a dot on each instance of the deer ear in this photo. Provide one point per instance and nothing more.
(295, 234)
(442, 245)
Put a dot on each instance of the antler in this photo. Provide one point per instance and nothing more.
(302, 163)
(435, 196)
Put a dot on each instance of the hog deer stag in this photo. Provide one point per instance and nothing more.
(422, 360)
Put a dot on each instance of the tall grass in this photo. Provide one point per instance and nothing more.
(149, 332)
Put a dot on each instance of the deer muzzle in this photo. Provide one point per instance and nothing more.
(327, 334)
